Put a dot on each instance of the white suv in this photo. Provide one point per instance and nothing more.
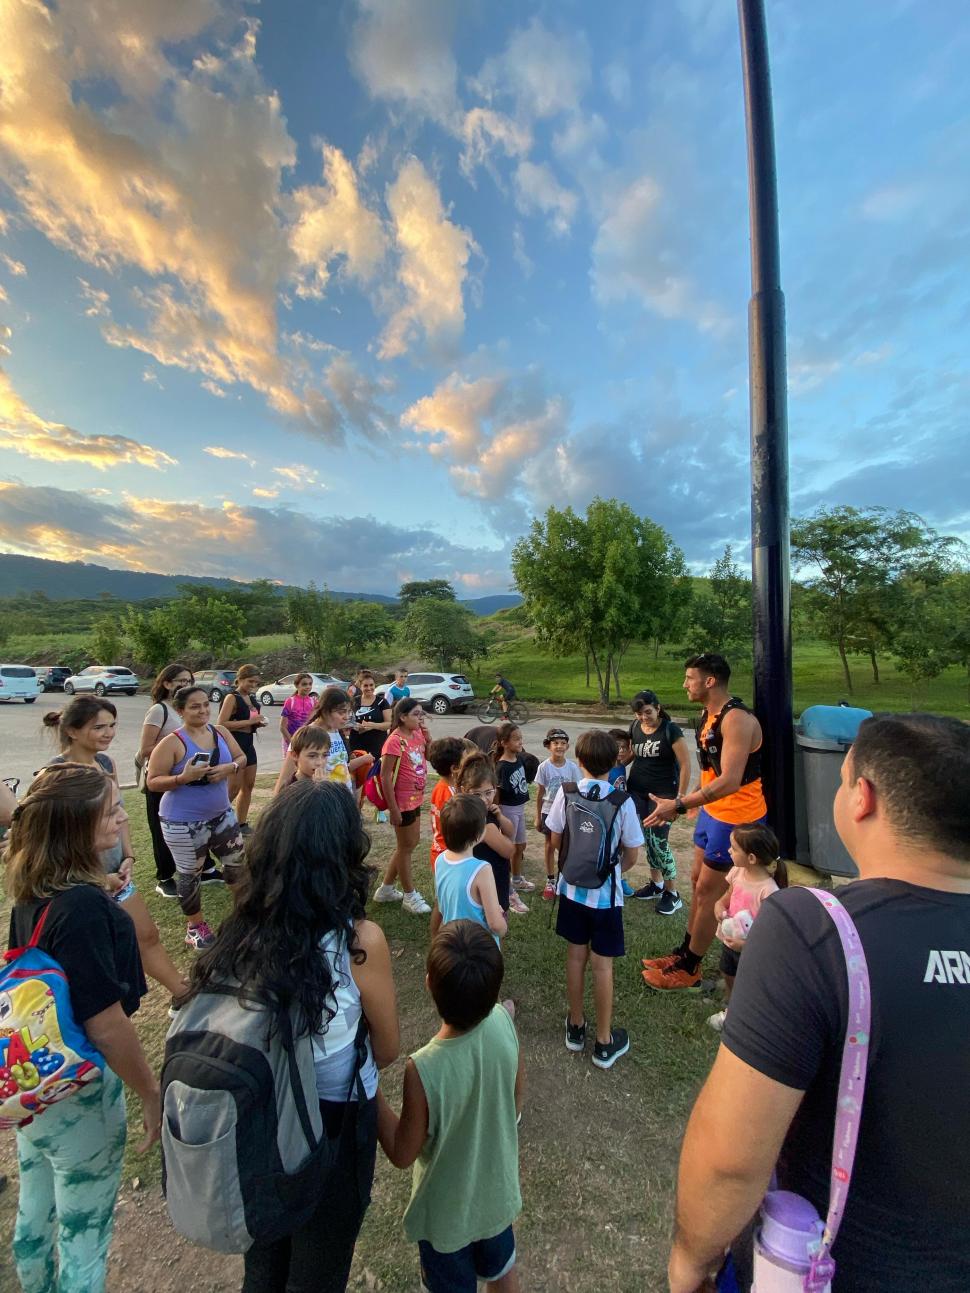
(18, 682)
(102, 679)
(438, 692)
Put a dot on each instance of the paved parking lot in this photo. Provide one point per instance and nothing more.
(25, 744)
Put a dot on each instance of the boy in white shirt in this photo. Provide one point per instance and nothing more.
(550, 775)
(598, 835)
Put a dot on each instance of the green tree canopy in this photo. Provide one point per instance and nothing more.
(157, 637)
(721, 618)
(442, 631)
(213, 622)
(415, 589)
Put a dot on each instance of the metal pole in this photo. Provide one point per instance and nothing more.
(770, 571)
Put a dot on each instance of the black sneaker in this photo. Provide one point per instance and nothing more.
(649, 892)
(606, 1055)
(167, 889)
(212, 875)
(575, 1036)
(245, 828)
(669, 903)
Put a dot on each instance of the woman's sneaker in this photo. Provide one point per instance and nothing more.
(199, 936)
(517, 905)
(717, 1021)
(521, 885)
(549, 892)
(387, 893)
(575, 1036)
(605, 1054)
(415, 904)
(167, 889)
(669, 903)
(212, 875)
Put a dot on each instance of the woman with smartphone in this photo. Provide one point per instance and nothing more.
(191, 768)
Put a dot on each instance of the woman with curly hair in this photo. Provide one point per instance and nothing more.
(298, 940)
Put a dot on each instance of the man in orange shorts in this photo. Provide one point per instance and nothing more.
(730, 793)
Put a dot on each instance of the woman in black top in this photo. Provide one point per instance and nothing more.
(71, 1153)
(241, 715)
(372, 720)
(660, 769)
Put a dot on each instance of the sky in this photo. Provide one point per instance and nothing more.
(353, 291)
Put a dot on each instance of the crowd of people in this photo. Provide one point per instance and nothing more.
(299, 939)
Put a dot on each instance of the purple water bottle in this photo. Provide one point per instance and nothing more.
(784, 1243)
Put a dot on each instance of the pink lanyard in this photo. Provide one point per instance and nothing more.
(852, 1083)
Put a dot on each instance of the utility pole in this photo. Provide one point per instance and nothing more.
(767, 369)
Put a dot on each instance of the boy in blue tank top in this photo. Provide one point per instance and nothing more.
(464, 884)
(458, 1124)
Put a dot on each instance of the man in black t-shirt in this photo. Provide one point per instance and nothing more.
(901, 811)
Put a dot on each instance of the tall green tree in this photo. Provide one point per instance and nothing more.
(721, 617)
(308, 613)
(957, 593)
(157, 636)
(415, 589)
(106, 640)
(357, 627)
(214, 623)
(442, 631)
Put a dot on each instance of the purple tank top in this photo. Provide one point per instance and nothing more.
(196, 802)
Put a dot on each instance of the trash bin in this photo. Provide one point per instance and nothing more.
(821, 740)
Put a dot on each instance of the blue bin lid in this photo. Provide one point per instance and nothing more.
(833, 722)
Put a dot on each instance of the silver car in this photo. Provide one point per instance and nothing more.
(275, 693)
(103, 680)
(439, 692)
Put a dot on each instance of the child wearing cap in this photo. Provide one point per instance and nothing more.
(551, 774)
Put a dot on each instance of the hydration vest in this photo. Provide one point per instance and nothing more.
(709, 746)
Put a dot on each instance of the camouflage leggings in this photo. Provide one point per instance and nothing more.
(659, 855)
(70, 1161)
(190, 844)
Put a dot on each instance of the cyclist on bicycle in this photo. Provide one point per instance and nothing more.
(503, 689)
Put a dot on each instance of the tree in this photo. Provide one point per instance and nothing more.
(721, 619)
(957, 592)
(442, 631)
(418, 588)
(106, 644)
(595, 584)
(308, 615)
(922, 642)
(358, 626)
(157, 637)
(214, 623)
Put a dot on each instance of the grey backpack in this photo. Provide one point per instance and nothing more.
(244, 1151)
(588, 854)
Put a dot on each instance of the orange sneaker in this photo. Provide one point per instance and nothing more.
(672, 976)
(660, 962)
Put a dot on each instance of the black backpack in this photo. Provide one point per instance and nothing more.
(245, 1154)
(587, 857)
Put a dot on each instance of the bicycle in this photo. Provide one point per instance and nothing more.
(491, 709)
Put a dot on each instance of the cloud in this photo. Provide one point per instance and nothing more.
(15, 267)
(359, 398)
(358, 553)
(265, 493)
(97, 301)
(401, 50)
(26, 432)
(485, 132)
(893, 201)
(543, 73)
(220, 451)
(331, 221)
(299, 477)
(538, 191)
(433, 265)
(149, 376)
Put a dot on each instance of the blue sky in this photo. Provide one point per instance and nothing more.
(350, 292)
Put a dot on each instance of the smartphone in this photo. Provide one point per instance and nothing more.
(198, 759)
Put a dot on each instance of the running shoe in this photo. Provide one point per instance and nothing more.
(717, 1021)
(167, 889)
(661, 962)
(669, 903)
(575, 1036)
(199, 936)
(673, 977)
(628, 889)
(521, 885)
(649, 892)
(605, 1054)
(212, 875)
(517, 905)
(549, 892)
(387, 893)
(415, 904)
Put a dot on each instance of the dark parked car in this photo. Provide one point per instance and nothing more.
(50, 677)
(217, 682)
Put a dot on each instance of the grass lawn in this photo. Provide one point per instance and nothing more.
(598, 1150)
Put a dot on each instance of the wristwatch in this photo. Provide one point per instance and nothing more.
(680, 806)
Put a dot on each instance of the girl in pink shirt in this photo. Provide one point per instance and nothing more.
(403, 774)
(296, 709)
(757, 872)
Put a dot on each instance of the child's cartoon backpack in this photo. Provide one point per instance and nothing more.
(587, 856)
(245, 1154)
(45, 1055)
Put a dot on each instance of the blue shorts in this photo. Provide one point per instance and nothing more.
(459, 1272)
(714, 837)
(598, 928)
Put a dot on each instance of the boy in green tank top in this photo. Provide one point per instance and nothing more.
(458, 1124)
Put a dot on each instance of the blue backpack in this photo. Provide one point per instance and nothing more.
(45, 1055)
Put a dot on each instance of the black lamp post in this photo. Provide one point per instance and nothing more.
(770, 570)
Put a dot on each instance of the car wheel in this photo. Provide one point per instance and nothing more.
(215, 695)
(42, 687)
(99, 689)
(130, 693)
(29, 700)
(266, 699)
(440, 705)
(69, 689)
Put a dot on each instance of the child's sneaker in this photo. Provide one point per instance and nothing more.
(387, 893)
(415, 903)
(517, 905)
(605, 1054)
(717, 1021)
(669, 903)
(383, 816)
(628, 890)
(521, 885)
(575, 1036)
(199, 936)
(549, 892)
(649, 892)
(211, 875)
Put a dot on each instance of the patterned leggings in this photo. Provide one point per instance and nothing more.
(70, 1161)
(190, 844)
(659, 856)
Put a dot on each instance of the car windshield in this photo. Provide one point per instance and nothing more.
(16, 671)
